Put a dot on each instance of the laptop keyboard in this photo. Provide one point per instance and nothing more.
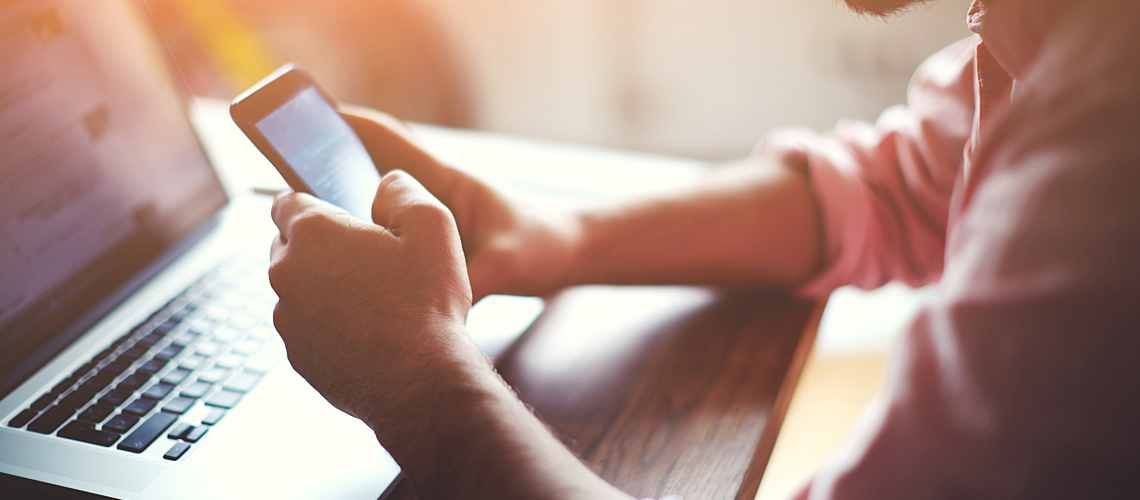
(178, 372)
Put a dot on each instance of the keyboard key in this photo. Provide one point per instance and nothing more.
(116, 397)
(96, 413)
(241, 320)
(185, 307)
(145, 434)
(118, 366)
(58, 389)
(83, 394)
(80, 396)
(135, 352)
(179, 405)
(82, 431)
(263, 361)
(51, 419)
(104, 355)
(177, 451)
(150, 339)
(184, 339)
(242, 382)
(193, 362)
(224, 399)
(226, 334)
(214, 416)
(55, 394)
(158, 391)
(209, 349)
(75, 399)
(196, 390)
(176, 376)
(230, 361)
(195, 433)
(65, 384)
(133, 382)
(121, 423)
(200, 327)
(215, 313)
(178, 430)
(84, 368)
(213, 375)
(102, 378)
(42, 402)
(168, 325)
(140, 406)
(122, 339)
(88, 389)
(154, 365)
(188, 308)
(169, 352)
(21, 419)
(247, 347)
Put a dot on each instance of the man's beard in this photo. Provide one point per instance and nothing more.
(880, 7)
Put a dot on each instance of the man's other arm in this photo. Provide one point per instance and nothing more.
(863, 206)
(1019, 378)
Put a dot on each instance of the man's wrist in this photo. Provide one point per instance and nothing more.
(470, 437)
(430, 416)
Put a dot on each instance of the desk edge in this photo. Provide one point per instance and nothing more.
(754, 474)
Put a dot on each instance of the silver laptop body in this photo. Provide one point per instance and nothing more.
(124, 258)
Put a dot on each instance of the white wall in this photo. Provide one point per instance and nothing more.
(703, 79)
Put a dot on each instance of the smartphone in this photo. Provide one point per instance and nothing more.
(296, 125)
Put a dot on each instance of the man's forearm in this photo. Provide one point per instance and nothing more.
(462, 433)
(473, 438)
(752, 224)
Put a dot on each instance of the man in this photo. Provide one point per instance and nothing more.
(1010, 180)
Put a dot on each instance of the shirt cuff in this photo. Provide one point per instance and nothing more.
(839, 202)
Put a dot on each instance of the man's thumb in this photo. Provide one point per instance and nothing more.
(392, 147)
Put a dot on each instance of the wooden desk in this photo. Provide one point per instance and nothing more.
(663, 390)
(659, 390)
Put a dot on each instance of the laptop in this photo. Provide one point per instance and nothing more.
(138, 355)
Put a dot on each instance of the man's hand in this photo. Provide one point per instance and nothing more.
(509, 249)
(369, 311)
(372, 316)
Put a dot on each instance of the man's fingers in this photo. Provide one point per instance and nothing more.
(286, 207)
(404, 206)
(392, 147)
(289, 207)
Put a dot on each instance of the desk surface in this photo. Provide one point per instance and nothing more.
(659, 390)
(663, 390)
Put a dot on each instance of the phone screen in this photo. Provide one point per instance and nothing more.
(323, 150)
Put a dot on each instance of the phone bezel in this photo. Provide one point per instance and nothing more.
(266, 96)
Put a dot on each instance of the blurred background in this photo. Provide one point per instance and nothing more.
(698, 79)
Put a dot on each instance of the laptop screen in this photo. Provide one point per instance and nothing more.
(100, 171)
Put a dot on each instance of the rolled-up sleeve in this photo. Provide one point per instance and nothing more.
(883, 190)
(1019, 378)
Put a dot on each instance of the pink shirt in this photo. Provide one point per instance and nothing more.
(1011, 180)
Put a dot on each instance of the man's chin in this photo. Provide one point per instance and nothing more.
(880, 7)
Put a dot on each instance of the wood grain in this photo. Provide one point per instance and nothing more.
(661, 390)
